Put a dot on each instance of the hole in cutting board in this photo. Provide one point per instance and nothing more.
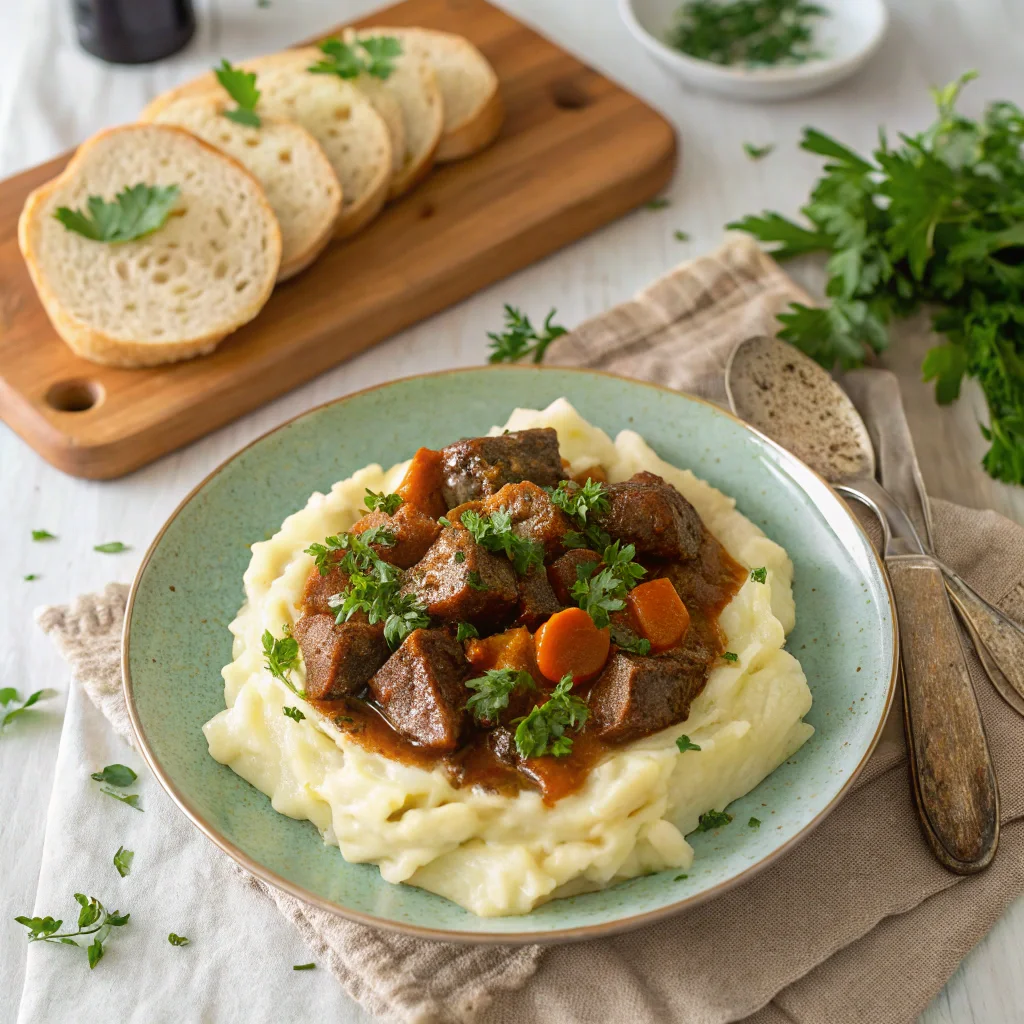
(570, 95)
(74, 395)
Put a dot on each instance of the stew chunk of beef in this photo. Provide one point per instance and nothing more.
(562, 572)
(537, 601)
(459, 581)
(478, 466)
(421, 688)
(339, 659)
(321, 588)
(414, 531)
(637, 695)
(652, 515)
(534, 515)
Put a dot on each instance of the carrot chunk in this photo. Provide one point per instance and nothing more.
(570, 642)
(658, 613)
(421, 485)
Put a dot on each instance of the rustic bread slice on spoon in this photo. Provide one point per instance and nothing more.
(473, 111)
(286, 160)
(173, 293)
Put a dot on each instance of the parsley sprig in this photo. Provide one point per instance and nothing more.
(241, 87)
(494, 533)
(581, 505)
(358, 555)
(936, 222)
(93, 920)
(373, 55)
(374, 589)
(520, 339)
(493, 690)
(756, 33)
(600, 594)
(543, 730)
(134, 213)
(376, 501)
(9, 695)
(280, 656)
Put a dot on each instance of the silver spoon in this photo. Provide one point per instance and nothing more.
(789, 397)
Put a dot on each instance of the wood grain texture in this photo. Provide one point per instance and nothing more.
(576, 151)
(950, 766)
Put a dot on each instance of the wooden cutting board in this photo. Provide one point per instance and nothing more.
(576, 152)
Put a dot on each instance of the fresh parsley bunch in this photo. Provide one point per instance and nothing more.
(936, 221)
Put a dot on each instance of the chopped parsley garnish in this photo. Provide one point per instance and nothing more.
(755, 33)
(93, 920)
(374, 55)
(358, 555)
(494, 533)
(581, 505)
(475, 582)
(131, 799)
(520, 339)
(460, 556)
(280, 657)
(680, 236)
(492, 691)
(304, 967)
(43, 535)
(177, 940)
(31, 576)
(730, 656)
(659, 203)
(684, 744)
(119, 775)
(113, 547)
(712, 819)
(932, 222)
(241, 87)
(389, 504)
(543, 730)
(758, 152)
(8, 694)
(759, 575)
(375, 591)
(605, 592)
(754, 823)
(466, 630)
(630, 642)
(123, 861)
(135, 212)
(680, 878)
(293, 713)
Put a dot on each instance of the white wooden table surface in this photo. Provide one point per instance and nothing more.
(52, 95)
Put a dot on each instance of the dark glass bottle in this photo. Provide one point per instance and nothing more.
(133, 31)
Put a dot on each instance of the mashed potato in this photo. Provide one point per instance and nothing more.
(496, 854)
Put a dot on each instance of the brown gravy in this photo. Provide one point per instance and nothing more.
(706, 584)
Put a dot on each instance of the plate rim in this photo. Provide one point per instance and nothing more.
(570, 934)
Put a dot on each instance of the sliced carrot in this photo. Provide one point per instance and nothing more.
(421, 485)
(658, 613)
(570, 642)
(511, 649)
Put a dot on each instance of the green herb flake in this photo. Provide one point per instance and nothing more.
(543, 730)
(123, 861)
(7, 695)
(680, 878)
(758, 152)
(293, 713)
(304, 967)
(135, 212)
(31, 700)
(730, 656)
(459, 557)
(177, 940)
(119, 775)
(30, 577)
(684, 744)
(680, 236)
(43, 535)
(630, 642)
(712, 819)
(131, 799)
(241, 87)
(754, 823)
(466, 631)
(520, 339)
(475, 582)
(759, 575)
(657, 204)
(389, 504)
(492, 691)
(114, 547)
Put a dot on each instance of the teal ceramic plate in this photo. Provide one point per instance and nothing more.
(190, 587)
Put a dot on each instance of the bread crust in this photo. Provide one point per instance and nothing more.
(475, 133)
(95, 345)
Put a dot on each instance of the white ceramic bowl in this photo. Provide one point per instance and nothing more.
(849, 36)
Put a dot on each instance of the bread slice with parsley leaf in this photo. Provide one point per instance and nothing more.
(473, 110)
(150, 247)
(287, 161)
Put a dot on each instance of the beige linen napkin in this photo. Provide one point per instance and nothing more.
(857, 924)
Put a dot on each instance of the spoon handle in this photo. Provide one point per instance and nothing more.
(999, 640)
(951, 769)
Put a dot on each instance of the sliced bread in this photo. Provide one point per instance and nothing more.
(286, 160)
(172, 294)
(413, 85)
(352, 134)
(473, 111)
